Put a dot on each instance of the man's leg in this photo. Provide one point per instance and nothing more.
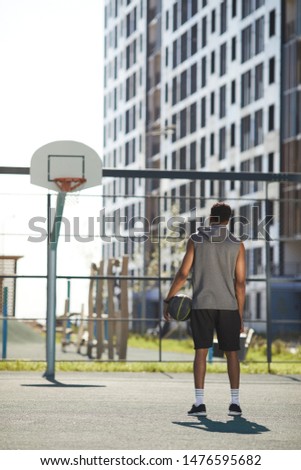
(234, 376)
(233, 368)
(199, 368)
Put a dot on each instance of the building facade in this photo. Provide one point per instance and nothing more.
(205, 86)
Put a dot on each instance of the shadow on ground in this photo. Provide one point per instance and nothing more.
(237, 425)
(55, 383)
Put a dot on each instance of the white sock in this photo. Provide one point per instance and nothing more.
(199, 396)
(235, 396)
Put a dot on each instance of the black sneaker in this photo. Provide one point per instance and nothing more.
(197, 411)
(234, 410)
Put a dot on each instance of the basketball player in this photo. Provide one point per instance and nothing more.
(217, 261)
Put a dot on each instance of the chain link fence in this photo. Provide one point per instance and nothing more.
(117, 255)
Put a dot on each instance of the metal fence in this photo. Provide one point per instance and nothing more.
(117, 256)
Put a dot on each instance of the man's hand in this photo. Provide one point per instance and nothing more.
(242, 327)
(166, 315)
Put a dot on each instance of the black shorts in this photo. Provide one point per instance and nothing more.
(226, 323)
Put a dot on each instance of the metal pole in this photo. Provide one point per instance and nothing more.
(53, 235)
(4, 323)
(268, 288)
(160, 284)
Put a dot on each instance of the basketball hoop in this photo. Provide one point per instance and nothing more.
(69, 184)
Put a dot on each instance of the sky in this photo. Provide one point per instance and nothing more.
(51, 81)
(51, 75)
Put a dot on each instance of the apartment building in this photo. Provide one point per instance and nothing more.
(205, 85)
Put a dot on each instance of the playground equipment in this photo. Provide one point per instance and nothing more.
(100, 330)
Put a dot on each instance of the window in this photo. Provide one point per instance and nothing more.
(212, 62)
(193, 156)
(175, 16)
(183, 200)
(212, 187)
(233, 48)
(222, 143)
(167, 20)
(194, 39)
(257, 269)
(182, 158)
(166, 56)
(212, 102)
(222, 101)
(271, 123)
(271, 162)
(212, 144)
(193, 118)
(258, 185)
(245, 141)
(183, 47)
(203, 112)
(232, 140)
(247, 7)
(166, 93)
(223, 59)
(184, 12)
(258, 303)
(272, 23)
(272, 70)
(174, 160)
(245, 185)
(258, 127)
(213, 21)
(174, 54)
(232, 185)
(194, 7)
(246, 44)
(259, 35)
(203, 152)
(183, 126)
(193, 78)
(174, 123)
(223, 17)
(174, 90)
(246, 88)
(221, 189)
(183, 88)
(234, 8)
(259, 3)
(233, 91)
(202, 193)
(203, 75)
(258, 81)
(131, 22)
(204, 31)
(191, 193)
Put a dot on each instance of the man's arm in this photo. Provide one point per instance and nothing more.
(181, 275)
(240, 281)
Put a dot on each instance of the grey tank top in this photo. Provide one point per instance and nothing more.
(213, 272)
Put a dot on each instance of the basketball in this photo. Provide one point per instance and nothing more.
(179, 307)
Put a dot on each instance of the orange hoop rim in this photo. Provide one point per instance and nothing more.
(69, 184)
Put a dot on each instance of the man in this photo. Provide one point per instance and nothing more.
(217, 261)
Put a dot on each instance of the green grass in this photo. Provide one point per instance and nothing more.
(164, 367)
(284, 361)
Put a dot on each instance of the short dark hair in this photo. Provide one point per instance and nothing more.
(221, 212)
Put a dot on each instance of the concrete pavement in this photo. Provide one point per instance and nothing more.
(146, 411)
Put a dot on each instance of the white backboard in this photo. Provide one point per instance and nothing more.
(65, 159)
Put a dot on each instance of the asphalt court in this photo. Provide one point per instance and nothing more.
(138, 411)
